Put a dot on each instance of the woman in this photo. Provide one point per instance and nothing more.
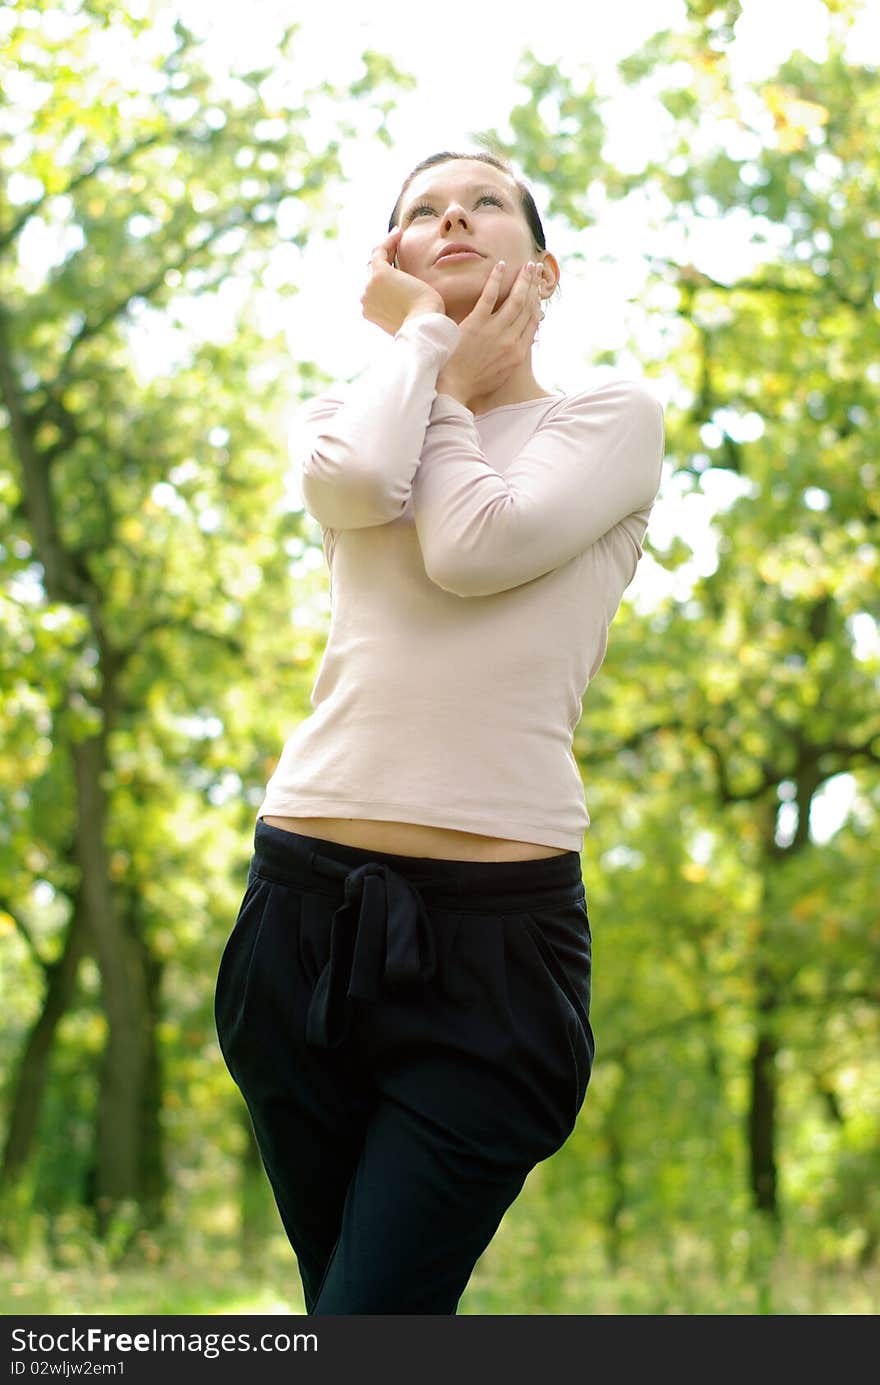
(404, 998)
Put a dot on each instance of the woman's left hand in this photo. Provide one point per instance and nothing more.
(391, 296)
(493, 342)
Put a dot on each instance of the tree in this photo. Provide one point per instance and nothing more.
(141, 517)
(762, 679)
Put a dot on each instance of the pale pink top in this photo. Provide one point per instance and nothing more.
(476, 564)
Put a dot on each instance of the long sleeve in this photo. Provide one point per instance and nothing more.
(591, 463)
(355, 450)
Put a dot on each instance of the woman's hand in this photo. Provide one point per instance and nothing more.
(392, 296)
(493, 343)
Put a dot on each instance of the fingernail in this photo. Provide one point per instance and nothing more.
(499, 265)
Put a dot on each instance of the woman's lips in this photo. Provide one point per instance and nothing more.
(459, 255)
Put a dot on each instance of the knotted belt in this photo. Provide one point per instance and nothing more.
(380, 937)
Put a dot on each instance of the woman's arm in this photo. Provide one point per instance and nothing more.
(594, 460)
(356, 451)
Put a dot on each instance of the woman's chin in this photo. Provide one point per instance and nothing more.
(458, 305)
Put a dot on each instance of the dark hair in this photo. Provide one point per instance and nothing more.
(527, 202)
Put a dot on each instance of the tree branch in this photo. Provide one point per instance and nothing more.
(781, 1002)
(92, 326)
(164, 623)
(62, 582)
(111, 161)
(42, 962)
(696, 279)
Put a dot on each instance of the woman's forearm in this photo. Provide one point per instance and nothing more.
(357, 451)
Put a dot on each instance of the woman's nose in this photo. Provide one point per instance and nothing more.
(454, 214)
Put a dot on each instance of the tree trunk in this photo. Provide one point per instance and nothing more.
(34, 1066)
(126, 1062)
(616, 1176)
(762, 1105)
(153, 1171)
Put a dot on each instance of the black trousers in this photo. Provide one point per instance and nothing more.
(411, 1037)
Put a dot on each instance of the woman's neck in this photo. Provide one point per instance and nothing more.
(519, 386)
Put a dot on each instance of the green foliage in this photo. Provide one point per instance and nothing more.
(157, 592)
(722, 922)
(170, 603)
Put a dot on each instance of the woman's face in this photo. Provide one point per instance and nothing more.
(464, 202)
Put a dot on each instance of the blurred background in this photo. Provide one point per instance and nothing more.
(188, 198)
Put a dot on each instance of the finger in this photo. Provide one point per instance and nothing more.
(517, 304)
(535, 298)
(527, 323)
(489, 295)
(387, 248)
(531, 322)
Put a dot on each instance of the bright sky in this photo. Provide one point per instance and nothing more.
(465, 68)
(465, 63)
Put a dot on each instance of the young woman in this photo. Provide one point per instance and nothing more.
(404, 999)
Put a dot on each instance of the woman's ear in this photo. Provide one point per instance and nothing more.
(550, 277)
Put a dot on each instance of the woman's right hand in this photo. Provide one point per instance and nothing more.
(391, 296)
(494, 341)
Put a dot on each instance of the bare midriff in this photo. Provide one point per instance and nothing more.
(415, 839)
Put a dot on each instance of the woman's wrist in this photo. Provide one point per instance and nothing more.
(425, 306)
(447, 384)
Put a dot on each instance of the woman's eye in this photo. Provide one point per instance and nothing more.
(426, 206)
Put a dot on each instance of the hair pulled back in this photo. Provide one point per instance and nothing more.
(530, 211)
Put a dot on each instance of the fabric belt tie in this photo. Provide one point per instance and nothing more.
(380, 937)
